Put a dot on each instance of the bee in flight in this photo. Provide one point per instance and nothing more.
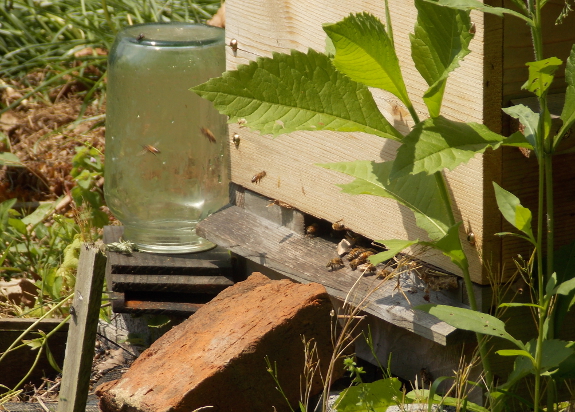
(208, 134)
(258, 177)
(148, 148)
(334, 264)
(140, 37)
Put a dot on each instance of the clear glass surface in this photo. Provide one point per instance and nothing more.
(167, 161)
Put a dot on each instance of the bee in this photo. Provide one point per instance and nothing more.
(472, 29)
(208, 134)
(426, 376)
(353, 264)
(334, 264)
(151, 149)
(369, 267)
(279, 203)
(337, 226)
(363, 256)
(234, 45)
(258, 177)
(383, 273)
(236, 140)
(140, 37)
(312, 229)
(354, 253)
(242, 122)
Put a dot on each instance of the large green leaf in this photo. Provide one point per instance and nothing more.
(365, 53)
(471, 320)
(419, 193)
(440, 41)
(297, 91)
(394, 246)
(477, 5)
(568, 112)
(418, 395)
(376, 396)
(541, 74)
(528, 119)
(512, 210)
(438, 143)
(450, 246)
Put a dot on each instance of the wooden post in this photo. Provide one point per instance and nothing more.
(82, 331)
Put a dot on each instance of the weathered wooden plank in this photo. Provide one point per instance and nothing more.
(179, 283)
(82, 330)
(304, 259)
(137, 304)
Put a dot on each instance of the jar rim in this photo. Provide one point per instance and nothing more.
(173, 34)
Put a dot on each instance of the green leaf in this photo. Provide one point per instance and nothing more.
(517, 139)
(10, 159)
(516, 352)
(417, 192)
(438, 143)
(568, 112)
(394, 246)
(51, 359)
(365, 53)
(440, 41)
(566, 287)
(419, 394)
(520, 305)
(471, 320)
(477, 5)
(555, 351)
(522, 367)
(18, 225)
(528, 119)
(564, 260)
(296, 91)
(39, 214)
(541, 74)
(513, 212)
(566, 369)
(375, 397)
(451, 247)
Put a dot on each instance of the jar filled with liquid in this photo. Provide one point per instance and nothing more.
(167, 160)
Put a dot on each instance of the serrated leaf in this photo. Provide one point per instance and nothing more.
(365, 53)
(440, 41)
(471, 320)
(477, 5)
(568, 112)
(438, 143)
(297, 91)
(378, 395)
(528, 119)
(511, 209)
(541, 74)
(417, 192)
(394, 246)
(10, 159)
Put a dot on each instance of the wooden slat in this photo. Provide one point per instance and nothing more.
(82, 331)
(304, 259)
(179, 283)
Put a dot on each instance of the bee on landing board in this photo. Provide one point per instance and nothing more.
(208, 134)
(334, 264)
(354, 253)
(258, 177)
(312, 230)
(337, 226)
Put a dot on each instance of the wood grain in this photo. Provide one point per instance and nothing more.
(82, 330)
(304, 259)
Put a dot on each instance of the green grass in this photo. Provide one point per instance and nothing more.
(45, 36)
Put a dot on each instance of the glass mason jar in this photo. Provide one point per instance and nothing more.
(167, 159)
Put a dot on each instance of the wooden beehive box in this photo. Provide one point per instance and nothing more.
(487, 80)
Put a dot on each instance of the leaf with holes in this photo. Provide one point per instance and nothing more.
(471, 320)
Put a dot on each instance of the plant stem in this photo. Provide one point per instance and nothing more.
(481, 341)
